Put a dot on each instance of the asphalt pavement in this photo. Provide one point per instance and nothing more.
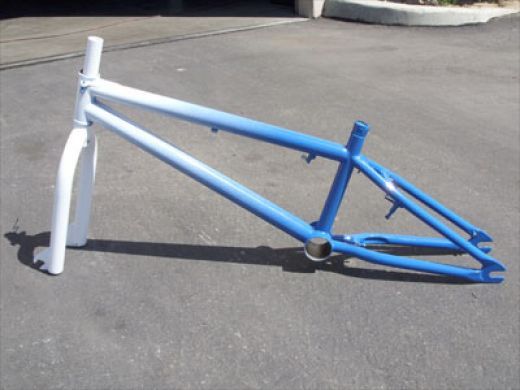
(179, 288)
(43, 32)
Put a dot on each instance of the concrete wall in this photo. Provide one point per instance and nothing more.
(309, 8)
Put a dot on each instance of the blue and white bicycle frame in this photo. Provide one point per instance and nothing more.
(317, 237)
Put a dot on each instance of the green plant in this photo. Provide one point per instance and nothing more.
(447, 2)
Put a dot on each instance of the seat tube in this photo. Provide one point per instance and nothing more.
(342, 178)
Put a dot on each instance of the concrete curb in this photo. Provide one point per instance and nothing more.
(381, 12)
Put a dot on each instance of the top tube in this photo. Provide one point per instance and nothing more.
(219, 120)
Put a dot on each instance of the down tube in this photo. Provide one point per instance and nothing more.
(204, 174)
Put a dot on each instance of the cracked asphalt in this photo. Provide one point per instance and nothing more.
(178, 288)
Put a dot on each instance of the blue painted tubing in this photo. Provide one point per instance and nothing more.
(197, 170)
(348, 157)
(428, 201)
(335, 196)
(402, 240)
(486, 260)
(219, 120)
(416, 265)
(342, 178)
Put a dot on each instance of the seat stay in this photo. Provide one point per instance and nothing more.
(477, 235)
(388, 186)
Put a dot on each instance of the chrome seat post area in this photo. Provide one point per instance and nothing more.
(94, 97)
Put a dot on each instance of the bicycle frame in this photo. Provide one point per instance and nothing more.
(317, 237)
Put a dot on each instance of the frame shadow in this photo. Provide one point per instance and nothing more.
(290, 259)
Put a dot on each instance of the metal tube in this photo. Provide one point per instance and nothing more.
(335, 196)
(389, 188)
(428, 201)
(400, 240)
(339, 186)
(92, 57)
(204, 174)
(78, 229)
(219, 120)
(89, 73)
(416, 265)
(54, 256)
